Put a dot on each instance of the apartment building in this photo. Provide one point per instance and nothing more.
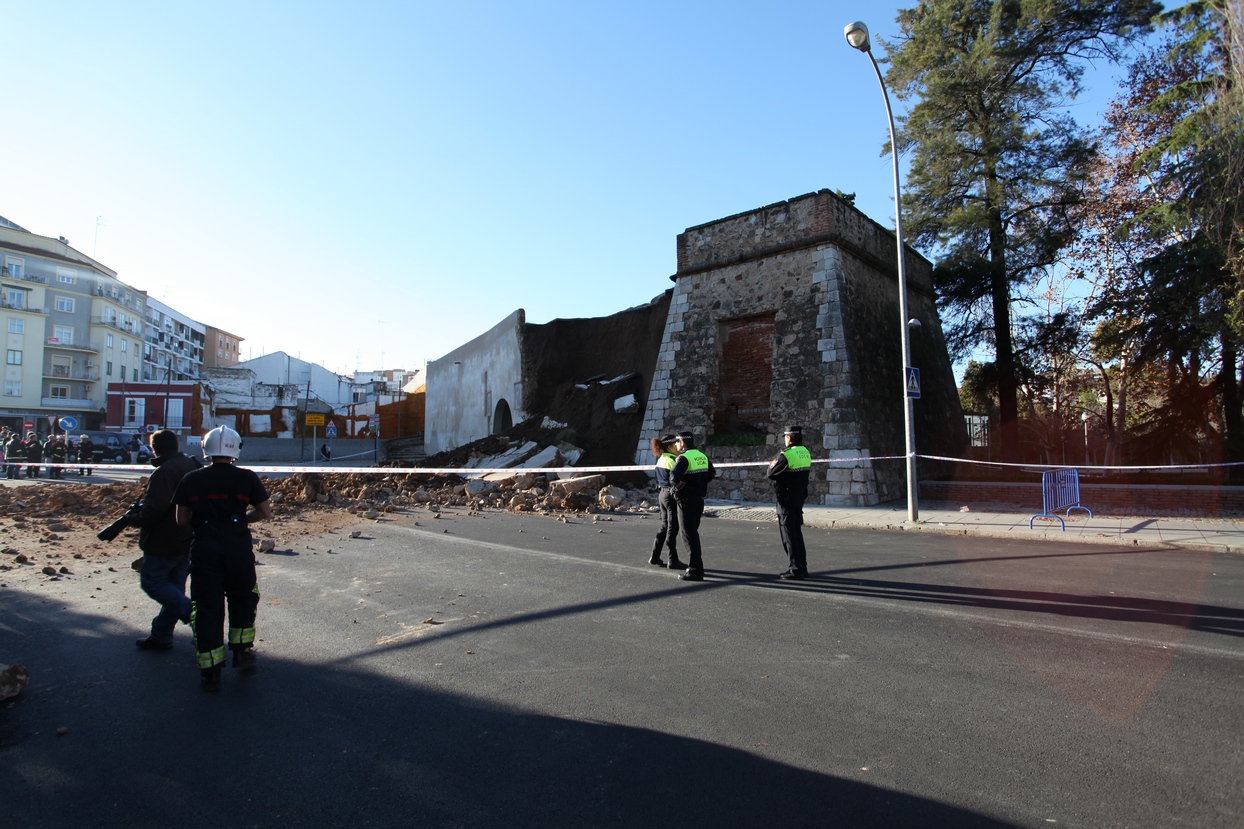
(70, 328)
(222, 349)
(173, 347)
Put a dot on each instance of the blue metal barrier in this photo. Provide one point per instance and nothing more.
(1060, 489)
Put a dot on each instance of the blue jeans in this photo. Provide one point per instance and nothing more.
(164, 579)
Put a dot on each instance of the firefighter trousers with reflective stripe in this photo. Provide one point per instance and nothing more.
(222, 567)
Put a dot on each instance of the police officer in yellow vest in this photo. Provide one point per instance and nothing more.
(789, 473)
(667, 534)
(691, 473)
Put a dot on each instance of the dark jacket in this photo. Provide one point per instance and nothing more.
(695, 482)
(158, 533)
(788, 482)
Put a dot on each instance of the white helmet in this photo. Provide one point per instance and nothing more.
(222, 442)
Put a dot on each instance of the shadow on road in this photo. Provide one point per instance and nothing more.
(323, 745)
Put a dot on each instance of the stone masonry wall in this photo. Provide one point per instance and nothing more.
(821, 269)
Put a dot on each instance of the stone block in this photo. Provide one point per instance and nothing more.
(569, 486)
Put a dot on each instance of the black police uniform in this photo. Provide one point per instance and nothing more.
(667, 533)
(789, 472)
(222, 563)
(693, 470)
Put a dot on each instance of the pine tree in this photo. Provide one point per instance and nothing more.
(996, 162)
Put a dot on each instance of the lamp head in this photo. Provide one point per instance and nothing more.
(857, 36)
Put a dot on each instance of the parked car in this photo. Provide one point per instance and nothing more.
(112, 447)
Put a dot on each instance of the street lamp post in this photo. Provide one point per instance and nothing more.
(857, 37)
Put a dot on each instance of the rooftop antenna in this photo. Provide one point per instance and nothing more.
(99, 220)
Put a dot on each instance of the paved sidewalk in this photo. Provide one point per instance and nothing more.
(1176, 532)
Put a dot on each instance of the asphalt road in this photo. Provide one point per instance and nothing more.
(914, 680)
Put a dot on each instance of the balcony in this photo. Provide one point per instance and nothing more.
(53, 342)
(61, 373)
(128, 327)
(67, 403)
(25, 277)
(14, 307)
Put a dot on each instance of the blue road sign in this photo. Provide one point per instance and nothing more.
(330, 431)
(913, 382)
(68, 423)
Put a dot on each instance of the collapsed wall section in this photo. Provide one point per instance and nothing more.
(576, 371)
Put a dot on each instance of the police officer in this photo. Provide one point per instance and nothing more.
(789, 473)
(165, 543)
(690, 475)
(217, 503)
(667, 534)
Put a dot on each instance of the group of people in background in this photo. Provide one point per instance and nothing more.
(18, 450)
(683, 474)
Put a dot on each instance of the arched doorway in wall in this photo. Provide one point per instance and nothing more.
(502, 420)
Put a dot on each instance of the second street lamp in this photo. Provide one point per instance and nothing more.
(857, 36)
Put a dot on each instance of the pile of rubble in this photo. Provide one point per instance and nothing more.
(519, 491)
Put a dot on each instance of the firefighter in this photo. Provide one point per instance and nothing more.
(789, 473)
(34, 455)
(86, 454)
(218, 502)
(56, 452)
(15, 456)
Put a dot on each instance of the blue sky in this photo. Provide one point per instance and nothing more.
(370, 185)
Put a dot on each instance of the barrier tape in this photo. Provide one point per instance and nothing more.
(479, 471)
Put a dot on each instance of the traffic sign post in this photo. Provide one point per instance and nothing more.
(913, 382)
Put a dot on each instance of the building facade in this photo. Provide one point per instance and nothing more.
(173, 346)
(221, 349)
(70, 327)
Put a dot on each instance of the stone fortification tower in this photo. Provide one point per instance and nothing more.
(789, 314)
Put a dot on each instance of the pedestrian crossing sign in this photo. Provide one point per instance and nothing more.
(913, 382)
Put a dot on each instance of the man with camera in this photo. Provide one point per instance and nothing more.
(164, 542)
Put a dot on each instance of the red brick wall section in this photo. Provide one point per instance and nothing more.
(746, 370)
(1107, 499)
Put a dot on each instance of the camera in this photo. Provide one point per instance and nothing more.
(129, 518)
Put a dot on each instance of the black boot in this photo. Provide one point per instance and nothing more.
(244, 658)
(209, 680)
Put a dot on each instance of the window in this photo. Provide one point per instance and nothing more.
(135, 377)
(64, 303)
(744, 375)
(17, 267)
(63, 334)
(219, 355)
(60, 366)
(66, 275)
(15, 298)
(61, 392)
(17, 326)
(124, 345)
(109, 339)
(174, 413)
(109, 370)
(135, 411)
(14, 358)
(220, 340)
(13, 388)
